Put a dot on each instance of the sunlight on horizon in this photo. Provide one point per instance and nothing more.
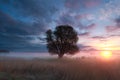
(106, 54)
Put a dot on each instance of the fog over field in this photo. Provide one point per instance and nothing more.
(33, 55)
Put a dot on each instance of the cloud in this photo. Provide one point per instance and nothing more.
(25, 21)
(20, 19)
(66, 18)
(111, 28)
(117, 20)
(22, 43)
(75, 20)
(79, 4)
(116, 27)
(87, 49)
(110, 9)
(84, 34)
(33, 8)
(33, 15)
(35, 39)
(98, 37)
(115, 35)
(91, 26)
(92, 3)
(9, 25)
(84, 16)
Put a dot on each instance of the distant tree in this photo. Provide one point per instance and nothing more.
(62, 40)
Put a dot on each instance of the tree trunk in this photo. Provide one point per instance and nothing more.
(60, 55)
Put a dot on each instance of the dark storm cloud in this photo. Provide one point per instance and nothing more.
(9, 25)
(39, 11)
(37, 8)
(19, 43)
(8, 41)
(23, 18)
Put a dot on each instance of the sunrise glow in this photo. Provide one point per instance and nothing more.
(106, 54)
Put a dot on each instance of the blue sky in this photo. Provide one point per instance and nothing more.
(23, 23)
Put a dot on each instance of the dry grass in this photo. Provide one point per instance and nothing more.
(63, 69)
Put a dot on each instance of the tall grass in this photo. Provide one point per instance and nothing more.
(59, 69)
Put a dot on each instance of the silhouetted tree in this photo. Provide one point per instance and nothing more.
(62, 40)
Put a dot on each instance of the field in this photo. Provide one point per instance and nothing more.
(59, 69)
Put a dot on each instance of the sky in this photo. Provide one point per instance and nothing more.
(23, 23)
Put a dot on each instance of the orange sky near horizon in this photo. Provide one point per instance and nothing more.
(110, 44)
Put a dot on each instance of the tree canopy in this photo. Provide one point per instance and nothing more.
(62, 40)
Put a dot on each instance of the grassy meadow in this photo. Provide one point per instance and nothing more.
(59, 69)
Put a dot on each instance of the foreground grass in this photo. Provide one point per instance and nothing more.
(59, 69)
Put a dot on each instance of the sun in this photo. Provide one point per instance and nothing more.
(106, 54)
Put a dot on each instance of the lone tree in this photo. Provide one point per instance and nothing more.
(62, 40)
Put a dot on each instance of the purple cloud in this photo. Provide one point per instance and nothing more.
(78, 4)
(87, 49)
(84, 34)
(114, 28)
(98, 37)
(117, 22)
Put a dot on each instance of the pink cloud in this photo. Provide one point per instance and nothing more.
(77, 4)
(116, 27)
(72, 3)
(91, 26)
(112, 28)
(92, 3)
(79, 16)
